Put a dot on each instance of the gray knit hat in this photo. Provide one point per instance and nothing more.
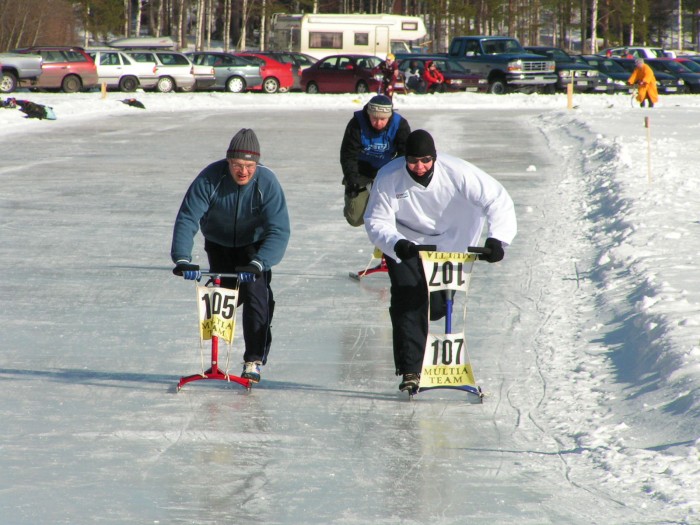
(244, 145)
(379, 106)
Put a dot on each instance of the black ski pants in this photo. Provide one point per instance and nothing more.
(409, 313)
(256, 297)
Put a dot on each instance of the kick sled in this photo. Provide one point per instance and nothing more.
(217, 319)
(446, 362)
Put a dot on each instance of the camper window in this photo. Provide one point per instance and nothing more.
(325, 40)
(361, 39)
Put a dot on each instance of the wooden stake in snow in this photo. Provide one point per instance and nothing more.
(647, 124)
(570, 93)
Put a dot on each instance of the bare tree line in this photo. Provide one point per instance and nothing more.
(579, 25)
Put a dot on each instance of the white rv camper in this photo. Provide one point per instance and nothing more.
(331, 34)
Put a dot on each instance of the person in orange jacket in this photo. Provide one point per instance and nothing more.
(644, 78)
(434, 80)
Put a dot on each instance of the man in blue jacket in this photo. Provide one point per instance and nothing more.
(241, 210)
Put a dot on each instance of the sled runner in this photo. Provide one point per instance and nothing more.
(217, 319)
(369, 269)
(446, 362)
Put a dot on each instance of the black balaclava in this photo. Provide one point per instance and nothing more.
(421, 144)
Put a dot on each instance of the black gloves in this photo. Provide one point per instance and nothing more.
(248, 273)
(405, 249)
(496, 248)
(183, 266)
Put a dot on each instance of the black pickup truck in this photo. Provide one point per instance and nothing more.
(504, 62)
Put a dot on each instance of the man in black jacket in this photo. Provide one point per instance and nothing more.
(375, 135)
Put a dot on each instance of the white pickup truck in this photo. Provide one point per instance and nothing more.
(16, 67)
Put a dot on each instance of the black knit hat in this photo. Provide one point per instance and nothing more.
(244, 145)
(420, 144)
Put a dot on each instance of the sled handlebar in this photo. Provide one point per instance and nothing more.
(471, 249)
(479, 249)
(196, 275)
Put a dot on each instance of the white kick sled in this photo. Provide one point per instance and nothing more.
(446, 362)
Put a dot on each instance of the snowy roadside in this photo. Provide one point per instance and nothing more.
(643, 224)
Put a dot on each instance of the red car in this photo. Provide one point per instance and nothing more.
(342, 74)
(69, 69)
(276, 75)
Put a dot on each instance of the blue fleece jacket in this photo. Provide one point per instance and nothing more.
(233, 215)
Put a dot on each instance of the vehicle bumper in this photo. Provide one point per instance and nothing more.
(204, 83)
(532, 80)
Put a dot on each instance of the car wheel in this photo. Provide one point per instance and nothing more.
(71, 84)
(8, 82)
(271, 85)
(498, 87)
(235, 85)
(312, 88)
(362, 87)
(165, 85)
(128, 84)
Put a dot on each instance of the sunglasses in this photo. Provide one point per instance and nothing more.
(415, 160)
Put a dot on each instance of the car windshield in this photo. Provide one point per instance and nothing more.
(693, 66)
(506, 45)
(609, 66)
(676, 67)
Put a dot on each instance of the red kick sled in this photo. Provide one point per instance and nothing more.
(217, 311)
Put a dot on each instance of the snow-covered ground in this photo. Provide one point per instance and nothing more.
(603, 281)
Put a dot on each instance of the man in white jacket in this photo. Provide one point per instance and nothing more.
(441, 201)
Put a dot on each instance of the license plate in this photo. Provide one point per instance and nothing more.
(671, 89)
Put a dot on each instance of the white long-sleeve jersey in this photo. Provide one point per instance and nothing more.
(450, 212)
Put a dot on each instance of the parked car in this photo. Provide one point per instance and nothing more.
(666, 84)
(232, 73)
(585, 78)
(694, 58)
(16, 67)
(636, 52)
(677, 69)
(610, 68)
(69, 69)
(174, 69)
(276, 75)
(457, 77)
(120, 71)
(342, 74)
(299, 62)
(693, 65)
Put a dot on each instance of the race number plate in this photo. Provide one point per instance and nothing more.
(445, 361)
(445, 364)
(217, 312)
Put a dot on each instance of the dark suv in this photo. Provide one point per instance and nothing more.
(585, 78)
(69, 69)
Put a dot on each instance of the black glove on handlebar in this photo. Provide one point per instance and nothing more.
(184, 266)
(248, 273)
(496, 248)
(405, 249)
